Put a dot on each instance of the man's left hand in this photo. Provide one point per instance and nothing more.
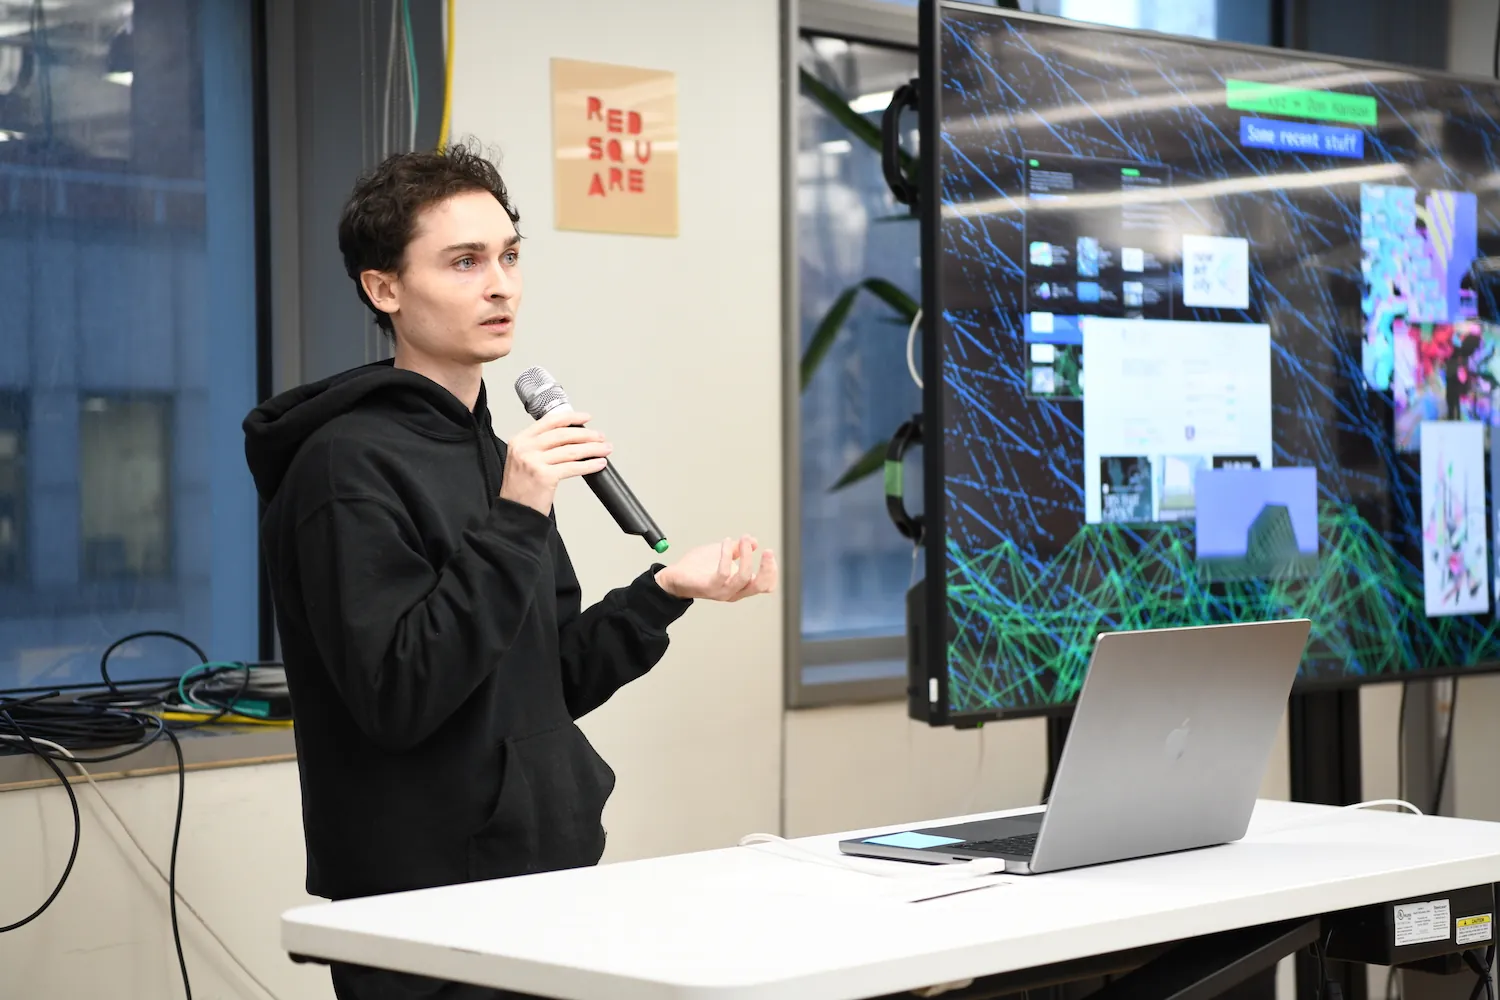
(728, 571)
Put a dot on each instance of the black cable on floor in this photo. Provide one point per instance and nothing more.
(187, 986)
(28, 743)
(115, 717)
(1482, 972)
(77, 824)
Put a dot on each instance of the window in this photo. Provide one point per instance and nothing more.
(1230, 20)
(127, 336)
(854, 567)
(125, 486)
(1177, 17)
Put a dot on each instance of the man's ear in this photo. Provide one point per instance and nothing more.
(383, 289)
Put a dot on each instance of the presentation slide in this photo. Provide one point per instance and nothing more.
(1093, 246)
(1257, 524)
(1166, 400)
(1455, 546)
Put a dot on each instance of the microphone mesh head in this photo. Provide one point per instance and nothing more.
(546, 400)
(539, 392)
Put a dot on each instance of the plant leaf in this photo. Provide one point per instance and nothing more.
(864, 467)
(837, 107)
(904, 305)
(828, 329)
(833, 320)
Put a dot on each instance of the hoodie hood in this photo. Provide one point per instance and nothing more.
(276, 429)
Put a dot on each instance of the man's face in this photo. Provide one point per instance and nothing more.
(456, 295)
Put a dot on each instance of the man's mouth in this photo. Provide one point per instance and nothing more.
(497, 323)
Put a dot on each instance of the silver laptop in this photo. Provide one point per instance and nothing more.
(1169, 741)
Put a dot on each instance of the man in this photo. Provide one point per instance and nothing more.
(431, 623)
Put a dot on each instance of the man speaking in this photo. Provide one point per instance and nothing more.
(435, 642)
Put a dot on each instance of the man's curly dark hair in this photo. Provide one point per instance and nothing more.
(381, 215)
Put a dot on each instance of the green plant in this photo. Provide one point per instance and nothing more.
(902, 305)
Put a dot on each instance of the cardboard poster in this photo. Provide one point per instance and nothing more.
(614, 137)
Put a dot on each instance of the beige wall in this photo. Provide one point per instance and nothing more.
(673, 344)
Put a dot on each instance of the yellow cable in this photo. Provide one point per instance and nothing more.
(229, 718)
(448, 79)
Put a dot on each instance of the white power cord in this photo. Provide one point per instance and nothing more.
(897, 870)
(1371, 804)
(1399, 803)
(65, 752)
(911, 340)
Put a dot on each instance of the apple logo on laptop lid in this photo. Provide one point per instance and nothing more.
(1177, 740)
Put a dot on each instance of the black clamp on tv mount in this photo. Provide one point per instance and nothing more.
(902, 186)
(910, 525)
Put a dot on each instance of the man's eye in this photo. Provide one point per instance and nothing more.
(465, 263)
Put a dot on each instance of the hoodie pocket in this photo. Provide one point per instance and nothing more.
(553, 788)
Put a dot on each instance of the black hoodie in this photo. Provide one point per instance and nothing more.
(435, 643)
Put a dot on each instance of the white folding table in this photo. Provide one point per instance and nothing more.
(746, 924)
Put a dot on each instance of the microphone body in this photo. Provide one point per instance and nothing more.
(542, 395)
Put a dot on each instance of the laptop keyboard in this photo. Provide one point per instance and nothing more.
(1023, 845)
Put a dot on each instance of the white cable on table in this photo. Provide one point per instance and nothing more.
(785, 848)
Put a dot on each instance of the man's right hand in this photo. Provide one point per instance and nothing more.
(551, 450)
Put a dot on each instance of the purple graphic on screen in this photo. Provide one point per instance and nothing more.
(1452, 244)
(1495, 509)
(1257, 523)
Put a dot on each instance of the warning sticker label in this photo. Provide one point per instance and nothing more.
(1472, 930)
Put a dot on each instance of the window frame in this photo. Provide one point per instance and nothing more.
(872, 22)
(316, 125)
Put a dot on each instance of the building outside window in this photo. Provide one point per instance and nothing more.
(127, 336)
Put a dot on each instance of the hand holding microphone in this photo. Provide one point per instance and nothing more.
(559, 447)
(551, 450)
(577, 455)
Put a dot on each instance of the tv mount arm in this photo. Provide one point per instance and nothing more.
(903, 187)
(910, 525)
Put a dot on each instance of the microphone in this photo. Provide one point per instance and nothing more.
(541, 394)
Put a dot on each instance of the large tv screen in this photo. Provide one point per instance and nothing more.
(1216, 339)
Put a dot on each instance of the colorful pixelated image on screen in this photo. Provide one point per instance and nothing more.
(1416, 253)
(1444, 371)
